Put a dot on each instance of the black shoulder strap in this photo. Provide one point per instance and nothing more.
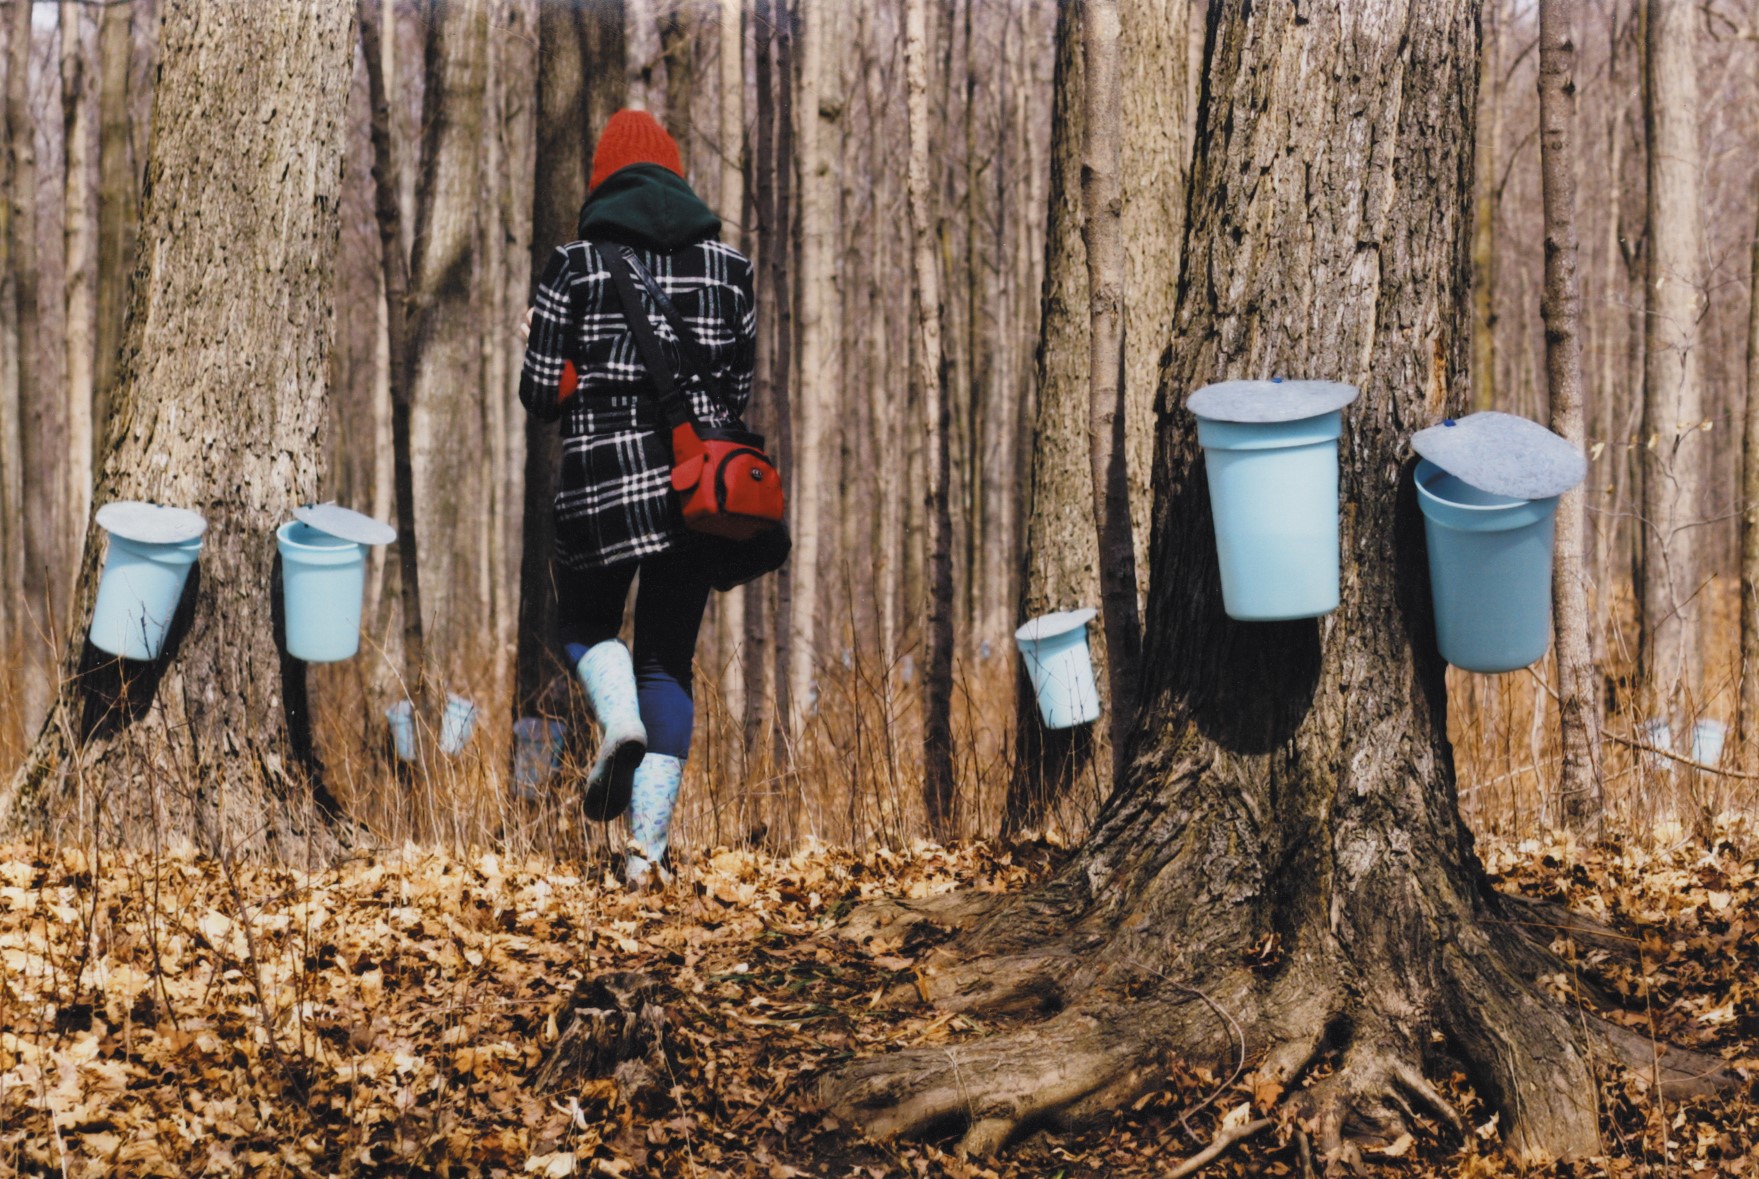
(687, 342)
(674, 403)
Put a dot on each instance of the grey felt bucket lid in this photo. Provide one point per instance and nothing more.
(146, 523)
(345, 523)
(1503, 454)
(1276, 400)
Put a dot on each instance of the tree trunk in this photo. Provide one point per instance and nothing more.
(445, 363)
(118, 204)
(42, 418)
(1287, 850)
(581, 82)
(394, 265)
(220, 407)
(730, 607)
(11, 345)
(820, 373)
(1578, 680)
(81, 296)
(1486, 200)
(1676, 448)
(1749, 702)
(1060, 566)
(1102, 194)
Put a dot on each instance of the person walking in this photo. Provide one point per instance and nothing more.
(617, 520)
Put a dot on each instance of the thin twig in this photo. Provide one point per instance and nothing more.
(1632, 743)
(1222, 1141)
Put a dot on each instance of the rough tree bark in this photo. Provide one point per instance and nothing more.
(581, 83)
(729, 608)
(220, 407)
(1561, 307)
(1102, 198)
(1285, 873)
(11, 488)
(1676, 449)
(931, 376)
(1060, 562)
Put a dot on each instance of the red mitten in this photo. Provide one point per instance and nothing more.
(570, 382)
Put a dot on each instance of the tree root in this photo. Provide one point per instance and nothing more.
(888, 920)
(995, 1086)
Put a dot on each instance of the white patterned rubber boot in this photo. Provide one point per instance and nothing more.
(651, 802)
(608, 674)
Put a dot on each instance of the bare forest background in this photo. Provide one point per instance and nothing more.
(793, 122)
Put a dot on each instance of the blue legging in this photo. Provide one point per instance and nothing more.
(668, 613)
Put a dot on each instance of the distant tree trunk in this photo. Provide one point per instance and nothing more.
(581, 83)
(12, 610)
(221, 407)
(1287, 851)
(1487, 193)
(759, 610)
(394, 264)
(80, 342)
(820, 372)
(730, 608)
(1578, 680)
(118, 203)
(931, 375)
(780, 256)
(1676, 448)
(1102, 192)
(42, 410)
(678, 44)
(1749, 702)
(445, 366)
(1061, 553)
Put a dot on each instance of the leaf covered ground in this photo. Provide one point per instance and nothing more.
(167, 1015)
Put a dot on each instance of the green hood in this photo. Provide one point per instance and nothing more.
(649, 207)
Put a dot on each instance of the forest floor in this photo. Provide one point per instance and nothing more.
(181, 1016)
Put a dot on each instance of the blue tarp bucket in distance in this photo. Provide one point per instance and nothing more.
(146, 566)
(537, 753)
(1489, 571)
(1273, 494)
(323, 578)
(1059, 667)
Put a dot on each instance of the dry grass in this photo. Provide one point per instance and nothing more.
(850, 773)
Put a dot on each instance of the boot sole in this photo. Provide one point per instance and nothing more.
(607, 798)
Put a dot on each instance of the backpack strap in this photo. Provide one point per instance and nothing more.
(675, 407)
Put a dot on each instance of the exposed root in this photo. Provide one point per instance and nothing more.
(1679, 1072)
(1542, 921)
(1217, 1148)
(996, 1086)
(893, 920)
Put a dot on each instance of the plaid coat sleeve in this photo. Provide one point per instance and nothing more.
(548, 349)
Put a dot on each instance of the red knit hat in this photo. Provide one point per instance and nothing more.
(634, 137)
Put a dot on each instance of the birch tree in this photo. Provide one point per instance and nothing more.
(220, 406)
(1749, 701)
(1578, 688)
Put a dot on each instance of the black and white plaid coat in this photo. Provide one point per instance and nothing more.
(615, 502)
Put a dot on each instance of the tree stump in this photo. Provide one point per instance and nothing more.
(613, 1026)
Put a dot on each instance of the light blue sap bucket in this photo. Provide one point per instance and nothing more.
(1488, 487)
(537, 753)
(1270, 450)
(323, 578)
(146, 566)
(1059, 667)
(401, 717)
(457, 724)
